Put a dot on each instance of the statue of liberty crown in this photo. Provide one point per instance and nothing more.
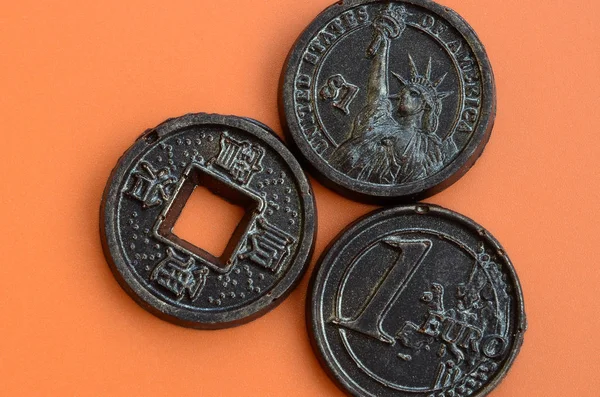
(423, 81)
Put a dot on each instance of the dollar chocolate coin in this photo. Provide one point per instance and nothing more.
(416, 301)
(388, 101)
(244, 163)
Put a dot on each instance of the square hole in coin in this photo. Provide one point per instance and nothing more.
(213, 229)
(208, 221)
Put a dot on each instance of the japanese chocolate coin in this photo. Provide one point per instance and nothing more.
(239, 160)
(388, 101)
(415, 301)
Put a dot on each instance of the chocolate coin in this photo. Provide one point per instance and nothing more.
(388, 101)
(244, 163)
(416, 301)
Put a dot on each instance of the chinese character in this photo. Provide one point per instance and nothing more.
(240, 159)
(268, 246)
(152, 187)
(180, 277)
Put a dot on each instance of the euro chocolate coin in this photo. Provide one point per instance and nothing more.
(416, 301)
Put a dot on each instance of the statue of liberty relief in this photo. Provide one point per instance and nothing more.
(386, 149)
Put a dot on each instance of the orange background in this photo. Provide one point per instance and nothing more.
(80, 81)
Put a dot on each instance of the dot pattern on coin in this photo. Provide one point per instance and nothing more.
(416, 301)
(388, 101)
(241, 161)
